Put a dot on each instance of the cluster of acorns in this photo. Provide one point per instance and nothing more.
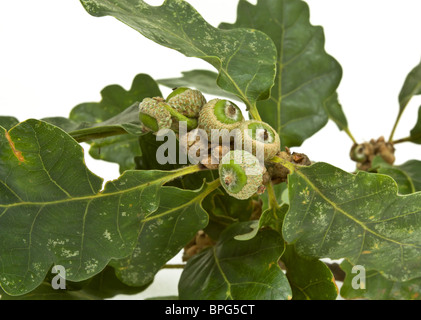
(241, 173)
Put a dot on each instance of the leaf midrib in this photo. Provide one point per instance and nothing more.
(162, 180)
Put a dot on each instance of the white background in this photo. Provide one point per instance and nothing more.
(54, 55)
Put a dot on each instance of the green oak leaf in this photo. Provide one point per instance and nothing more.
(244, 58)
(415, 136)
(378, 287)
(334, 214)
(410, 88)
(45, 292)
(303, 97)
(335, 112)
(102, 286)
(226, 207)
(115, 99)
(8, 122)
(116, 114)
(310, 278)
(149, 147)
(237, 270)
(126, 122)
(281, 194)
(164, 233)
(407, 175)
(271, 217)
(202, 80)
(121, 149)
(52, 209)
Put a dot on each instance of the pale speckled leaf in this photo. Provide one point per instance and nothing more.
(378, 287)
(303, 96)
(163, 234)
(102, 286)
(118, 149)
(335, 214)
(53, 212)
(239, 270)
(244, 58)
(335, 112)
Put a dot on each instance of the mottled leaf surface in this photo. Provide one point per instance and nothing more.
(117, 113)
(377, 287)
(244, 58)
(102, 286)
(53, 212)
(303, 97)
(309, 278)
(163, 234)
(238, 270)
(335, 214)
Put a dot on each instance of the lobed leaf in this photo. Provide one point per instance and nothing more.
(360, 217)
(239, 270)
(244, 58)
(415, 136)
(410, 88)
(53, 212)
(102, 286)
(310, 278)
(407, 175)
(163, 234)
(378, 287)
(8, 122)
(303, 97)
(116, 114)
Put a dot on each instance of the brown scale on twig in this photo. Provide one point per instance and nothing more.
(277, 172)
(364, 153)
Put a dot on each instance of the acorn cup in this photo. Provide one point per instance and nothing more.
(241, 174)
(186, 101)
(260, 136)
(219, 114)
(154, 115)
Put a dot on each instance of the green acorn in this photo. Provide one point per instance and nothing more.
(258, 134)
(154, 115)
(241, 174)
(186, 101)
(220, 114)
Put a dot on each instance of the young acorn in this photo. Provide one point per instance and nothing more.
(153, 114)
(219, 114)
(260, 136)
(241, 174)
(186, 101)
